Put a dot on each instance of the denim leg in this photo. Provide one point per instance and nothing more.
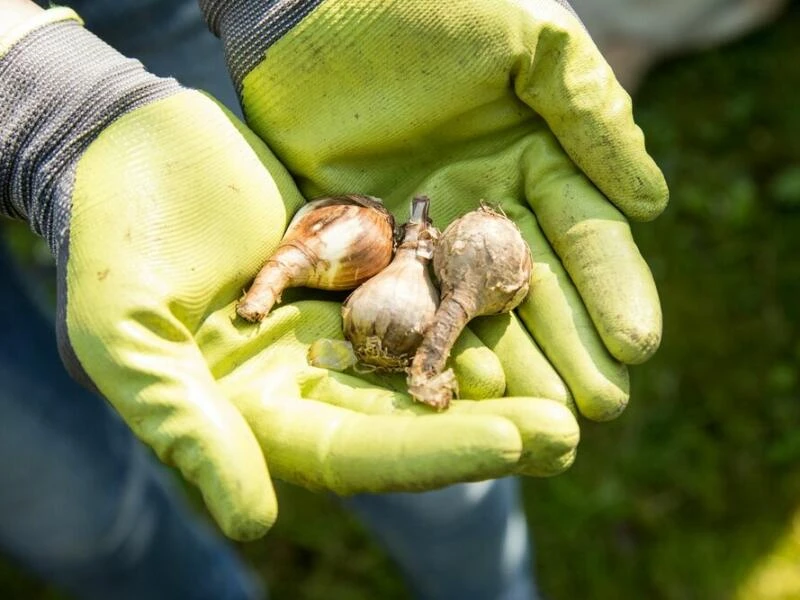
(467, 541)
(82, 503)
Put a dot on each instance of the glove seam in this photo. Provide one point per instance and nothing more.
(248, 28)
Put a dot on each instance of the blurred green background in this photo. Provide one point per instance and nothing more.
(694, 493)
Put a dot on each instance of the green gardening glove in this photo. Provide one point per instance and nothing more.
(159, 208)
(506, 101)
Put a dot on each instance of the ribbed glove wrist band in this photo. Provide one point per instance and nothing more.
(248, 27)
(60, 86)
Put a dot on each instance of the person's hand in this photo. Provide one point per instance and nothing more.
(507, 102)
(159, 208)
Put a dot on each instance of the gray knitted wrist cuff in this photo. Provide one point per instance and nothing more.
(248, 27)
(60, 86)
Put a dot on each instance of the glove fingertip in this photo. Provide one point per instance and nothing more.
(603, 407)
(648, 200)
(250, 526)
(633, 346)
(555, 466)
(242, 501)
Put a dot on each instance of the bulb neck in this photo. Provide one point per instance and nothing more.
(419, 234)
(419, 210)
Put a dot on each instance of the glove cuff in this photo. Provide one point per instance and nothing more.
(60, 86)
(214, 11)
(248, 27)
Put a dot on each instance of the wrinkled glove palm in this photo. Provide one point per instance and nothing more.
(507, 102)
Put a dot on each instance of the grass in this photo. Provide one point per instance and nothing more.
(694, 493)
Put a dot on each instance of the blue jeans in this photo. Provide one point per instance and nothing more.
(84, 505)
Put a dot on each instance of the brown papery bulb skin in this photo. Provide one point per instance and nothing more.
(385, 318)
(484, 268)
(334, 243)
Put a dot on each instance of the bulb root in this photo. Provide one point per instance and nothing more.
(374, 353)
(437, 392)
